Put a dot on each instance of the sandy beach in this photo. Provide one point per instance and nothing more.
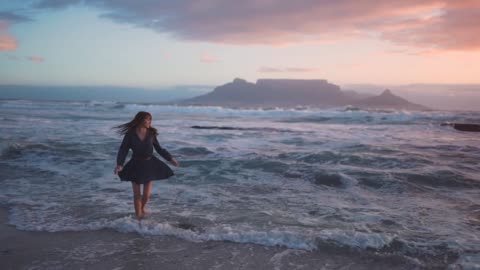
(108, 249)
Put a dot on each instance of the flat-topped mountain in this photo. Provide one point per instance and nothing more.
(291, 93)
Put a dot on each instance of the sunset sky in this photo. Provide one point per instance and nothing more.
(210, 42)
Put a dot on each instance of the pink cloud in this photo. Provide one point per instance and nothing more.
(7, 41)
(300, 69)
(287, 69)
(207, 58)
(269, 70)
(36, 59)
(456, 28)
(440, 24)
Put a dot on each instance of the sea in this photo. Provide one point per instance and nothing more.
(371, 181)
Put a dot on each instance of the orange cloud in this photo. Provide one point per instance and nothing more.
(7, 41)
(36, 59)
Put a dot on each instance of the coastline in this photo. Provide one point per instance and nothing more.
(108, 249)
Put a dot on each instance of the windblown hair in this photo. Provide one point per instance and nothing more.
(136, 121)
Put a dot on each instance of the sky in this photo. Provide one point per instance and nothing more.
(211, 42)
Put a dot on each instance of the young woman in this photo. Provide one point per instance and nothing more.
(143, 167)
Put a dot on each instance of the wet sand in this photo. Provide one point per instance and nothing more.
(108, 249)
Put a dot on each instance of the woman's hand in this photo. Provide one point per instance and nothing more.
(175, 162)
(117, 169)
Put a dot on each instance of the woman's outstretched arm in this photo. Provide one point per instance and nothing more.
(164, 153)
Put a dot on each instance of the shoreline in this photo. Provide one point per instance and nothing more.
(109, 249)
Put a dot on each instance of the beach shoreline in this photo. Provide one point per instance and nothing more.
(109, 249)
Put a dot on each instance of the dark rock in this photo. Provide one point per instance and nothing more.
(331, 180)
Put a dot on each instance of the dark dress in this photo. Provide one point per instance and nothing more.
(143, 166)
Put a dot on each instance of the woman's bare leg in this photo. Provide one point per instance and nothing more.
(137, 200)
(147, 188)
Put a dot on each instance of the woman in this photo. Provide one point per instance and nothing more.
(143, 167)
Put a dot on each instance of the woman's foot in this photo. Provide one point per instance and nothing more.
(140, 215)
(145, 212)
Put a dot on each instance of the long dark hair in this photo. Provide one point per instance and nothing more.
(137, 120)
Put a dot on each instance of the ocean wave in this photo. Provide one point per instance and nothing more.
(440, 178)
(7, 119)
(388, 182)
(340, 115)
(217, 110)
(193, 151)
(261, 129)
(375, 117)
(54, 149)
(96, 103)
(17, 150)
(240, 233)
(28, 120)
(334, 179)
(361, 117)
(261, 164)
(330, 239)
(299, 114)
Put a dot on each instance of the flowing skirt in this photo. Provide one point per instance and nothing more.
(142, 171)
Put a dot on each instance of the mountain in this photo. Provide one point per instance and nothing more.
(274, 92)
(292, 93)
(462, 97)
(387, 100)
(356, 95)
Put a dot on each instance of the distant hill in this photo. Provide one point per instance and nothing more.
(292, 93)
(387, 100)
(463, 97)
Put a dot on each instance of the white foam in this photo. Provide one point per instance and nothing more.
(347, 181)
(276, 260)
(274, 237)
(249, 234)
(357, 239)
(469, 261)
(240, 233)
